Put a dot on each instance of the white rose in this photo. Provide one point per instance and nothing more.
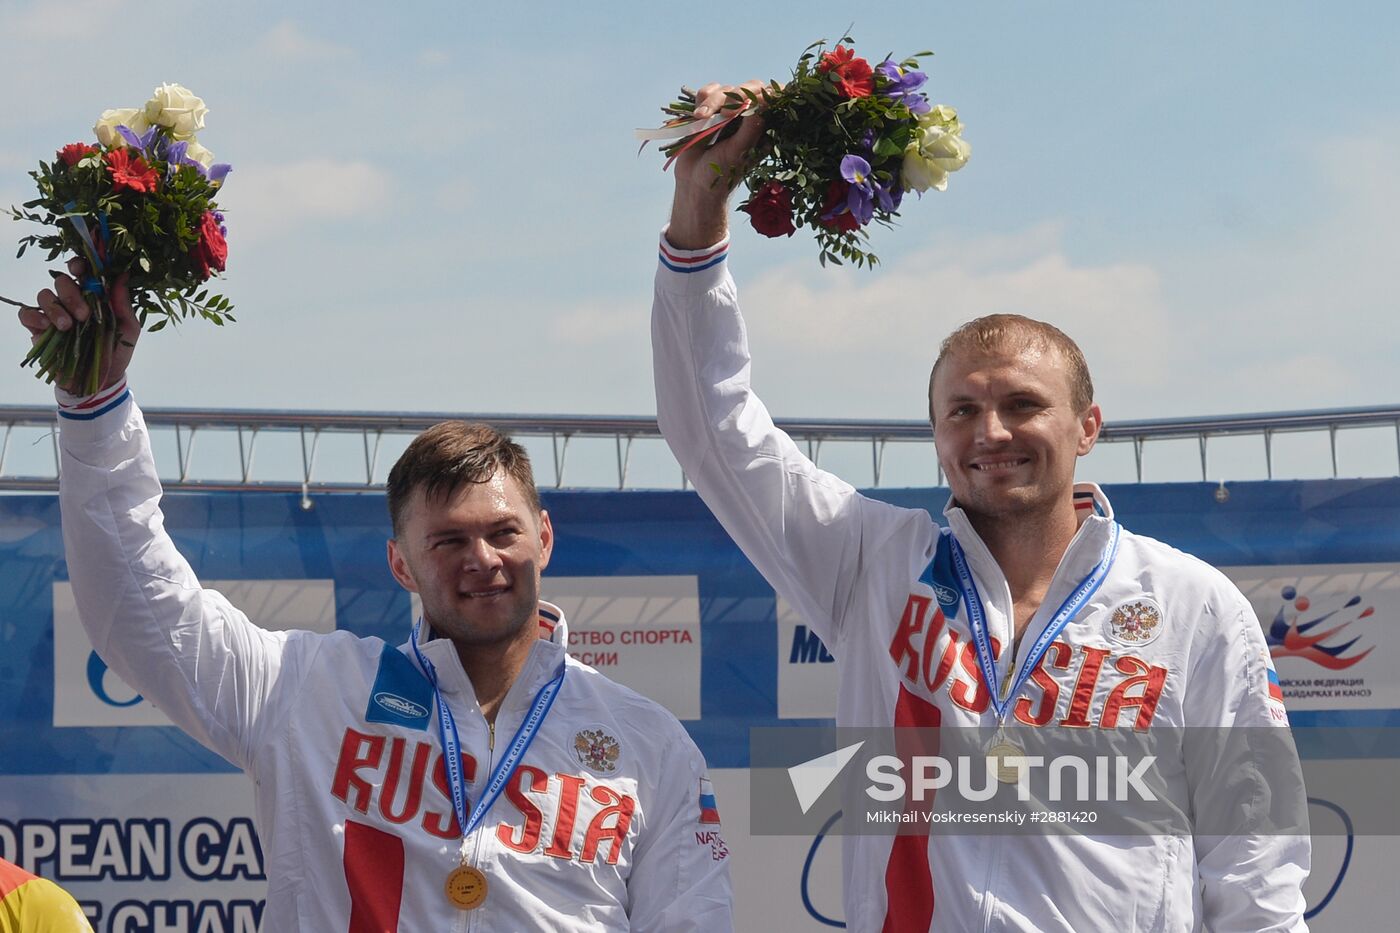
(177, 109)
(936, 149)
(106, 127)
(201, 155)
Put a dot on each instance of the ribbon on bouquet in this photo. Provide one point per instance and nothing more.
(691, 130)
(92, 284)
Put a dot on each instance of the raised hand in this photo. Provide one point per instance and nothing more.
(64, 307)
(706, 175)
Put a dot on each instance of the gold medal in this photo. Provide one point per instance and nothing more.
(1006, 772)
(466, 887)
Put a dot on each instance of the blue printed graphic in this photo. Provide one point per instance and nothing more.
(401, 695)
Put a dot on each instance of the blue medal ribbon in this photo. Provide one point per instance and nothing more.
(451, 743)
(977, 619)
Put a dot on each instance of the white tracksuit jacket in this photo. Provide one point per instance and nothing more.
(852, 565)
(603, 831)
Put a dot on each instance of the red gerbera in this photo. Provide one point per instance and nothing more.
(854, 76)
(73, 153)
(132, 173)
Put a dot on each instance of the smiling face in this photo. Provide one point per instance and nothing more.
(475, 558)
(1007, 431)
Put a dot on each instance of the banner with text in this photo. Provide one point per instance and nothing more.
(151, 831)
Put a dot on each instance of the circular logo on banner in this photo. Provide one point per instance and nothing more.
(97, 681)
(596, 750)
(1137, 622)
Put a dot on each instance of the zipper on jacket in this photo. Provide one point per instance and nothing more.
(989, 902)
(468, 919)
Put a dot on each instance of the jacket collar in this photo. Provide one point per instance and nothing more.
(1085, 548)
(546, 654)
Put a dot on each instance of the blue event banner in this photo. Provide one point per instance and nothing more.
(736, 651)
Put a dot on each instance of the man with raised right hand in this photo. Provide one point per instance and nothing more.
(474, 777)
(1033, 608)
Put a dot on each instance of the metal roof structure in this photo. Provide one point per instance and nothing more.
(240, 434)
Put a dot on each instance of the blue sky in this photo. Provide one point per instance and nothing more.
(440, 207)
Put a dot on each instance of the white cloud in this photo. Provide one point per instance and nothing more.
(287, 41)
(433, 58)
(1306, 317)
(279, 196)
(893, 321)
(913, 304)
(11, 160)
(455, 195)
(60, 19)
(853, 343)
(597, 323)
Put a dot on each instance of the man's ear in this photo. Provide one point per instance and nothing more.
(546, 539)
(1091, 425)
(398, 566)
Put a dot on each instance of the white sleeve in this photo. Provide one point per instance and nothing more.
(185, 648)
(1247, 787)
(680, 878)
(803, 528)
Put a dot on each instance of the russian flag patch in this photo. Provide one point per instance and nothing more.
(709, 810)
(1275, 689)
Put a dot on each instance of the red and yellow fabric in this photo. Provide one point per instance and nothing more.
(30, 904)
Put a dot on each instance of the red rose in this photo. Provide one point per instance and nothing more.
(836, 201)
(770, 210)
(211, 252)
(131, 173)
(73, 153)
(854, 76)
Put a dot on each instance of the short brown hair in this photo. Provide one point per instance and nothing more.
(1002, 331)
(450, 454)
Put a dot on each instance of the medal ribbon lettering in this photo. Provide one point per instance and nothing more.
(977, 620)
(451, 743)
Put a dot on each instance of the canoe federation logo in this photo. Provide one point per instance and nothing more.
(399, 706)
(1324, 636)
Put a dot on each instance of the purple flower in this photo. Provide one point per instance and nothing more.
(903, 85)
(141, 143)
(888, 197)
(174, 156)
(860, 198)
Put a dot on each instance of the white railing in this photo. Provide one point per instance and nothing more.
(299, 465)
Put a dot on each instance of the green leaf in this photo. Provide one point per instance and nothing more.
(886, 147)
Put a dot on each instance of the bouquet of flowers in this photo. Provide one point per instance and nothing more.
(843, 142)
(140, 202)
